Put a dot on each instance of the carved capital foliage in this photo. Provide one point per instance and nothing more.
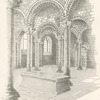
(60, 37)
(79, 41)
(37, 40)
(69, 23)
(14, 3)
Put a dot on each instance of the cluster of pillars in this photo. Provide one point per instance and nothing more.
(38, 52)
(11, 93)
(63, 50)
(30, 51)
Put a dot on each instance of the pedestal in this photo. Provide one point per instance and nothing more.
(43, 83)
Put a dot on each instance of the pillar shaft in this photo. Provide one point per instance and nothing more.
(65, 49)
(59, 52)
(36, 54)
(79, 55)
(62, 52)
(59, 55)
(18, 55)
(68, 47)
(15, 53)
(31, 52)
(28, 52)
(41, 50)
(11, 93)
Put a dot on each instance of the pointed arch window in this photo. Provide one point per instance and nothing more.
(24, 42)
(47, 46)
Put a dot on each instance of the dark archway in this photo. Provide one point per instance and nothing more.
(49, 57)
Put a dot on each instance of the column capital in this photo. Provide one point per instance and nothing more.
(60, 37)
(69, 23)
(14, 3)
(79, 41)
(63, 23)
(37, 40)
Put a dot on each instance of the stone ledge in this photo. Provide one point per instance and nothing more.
(55, 85)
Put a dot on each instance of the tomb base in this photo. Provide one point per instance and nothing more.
(52, 84)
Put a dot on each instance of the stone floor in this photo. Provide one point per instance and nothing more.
(84, 82)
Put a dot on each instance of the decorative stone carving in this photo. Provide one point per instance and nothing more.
(14, 3)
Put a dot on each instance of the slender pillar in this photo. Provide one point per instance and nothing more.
(37, 54)
(15, 52)
(41, 50)
(64, 45)
(31, 52)
(62, 51)
(18, 55)
(11, 93)
(68, 48)
(59, 55)
(28, 51)
(79, 67)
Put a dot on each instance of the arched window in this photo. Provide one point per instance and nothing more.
(24, 42)
(47, 46)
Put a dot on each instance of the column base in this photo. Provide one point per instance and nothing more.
(37, 69)
(67, 72)
(79, 68)
(28, 68)
(12, 95)
(18, 66)
(59, 70)
(71, 84)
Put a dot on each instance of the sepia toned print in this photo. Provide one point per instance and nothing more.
(50, 50)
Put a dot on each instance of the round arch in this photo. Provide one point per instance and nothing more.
(22, 13)
(48, 25)
(19, 35)
(69, 6)
(74, 31)
(37, 4)
(83, 28)
(81, 18)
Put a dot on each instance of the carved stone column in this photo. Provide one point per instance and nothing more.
(11, 93)
(41, 53)
(79, 67)
(31, 52)
(29, 49)
(18, 55)
(15, 53)
(68, 47)
(37, 41)
(62, 51)
(59, 55)
(64, 44)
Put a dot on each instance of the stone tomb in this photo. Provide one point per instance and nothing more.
(48, 84)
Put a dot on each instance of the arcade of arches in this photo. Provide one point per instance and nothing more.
(50, 32)
(47, 37)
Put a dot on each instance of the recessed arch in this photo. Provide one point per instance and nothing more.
(81, 18)
(70, 4)
(22, 13)
(39, 3)
(74, 31)
(19, 35)
(48, 25)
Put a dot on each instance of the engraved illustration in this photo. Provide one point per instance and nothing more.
(51, 49)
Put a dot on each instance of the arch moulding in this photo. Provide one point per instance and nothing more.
(38, 3)
(48, 25)
(22, 13)
(69, 6)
